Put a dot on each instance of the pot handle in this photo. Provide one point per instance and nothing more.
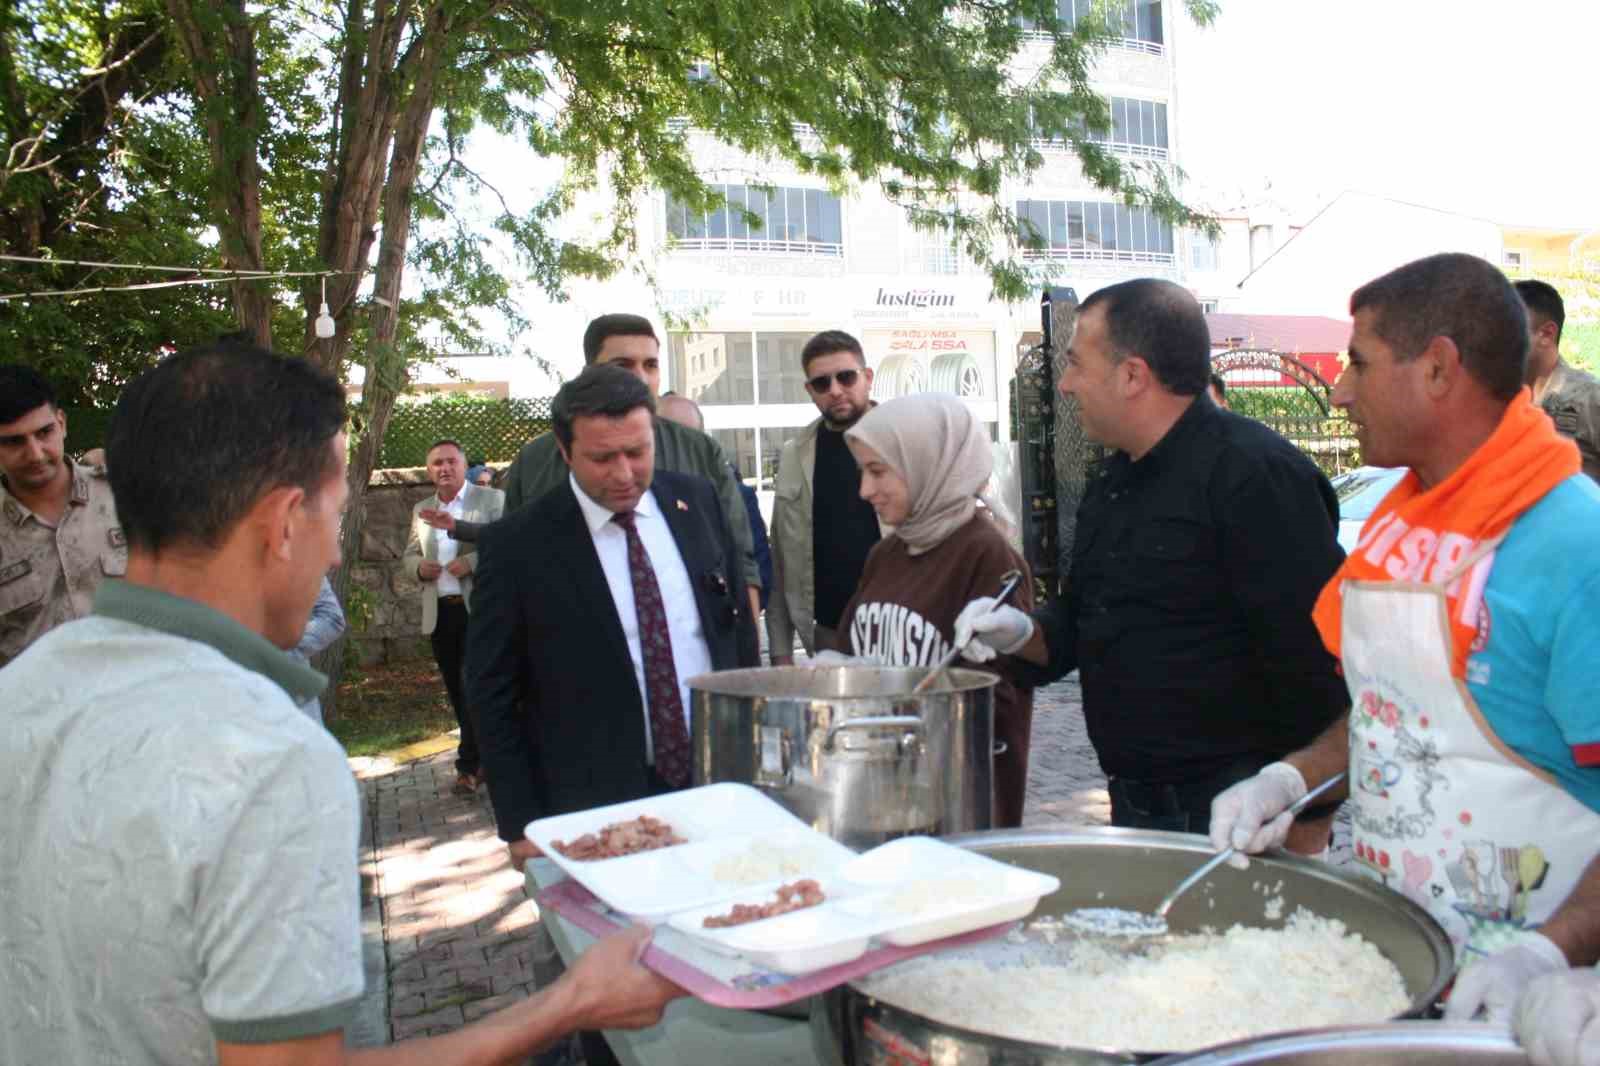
(775, 769)
(909, 722)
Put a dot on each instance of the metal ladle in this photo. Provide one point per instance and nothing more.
(1011, 579)
(1116, 922)
(1227, 853)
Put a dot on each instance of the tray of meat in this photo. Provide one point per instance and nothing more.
(901, 894)
(650, 858)
(795, 928)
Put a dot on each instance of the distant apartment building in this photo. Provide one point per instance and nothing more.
(739, 301)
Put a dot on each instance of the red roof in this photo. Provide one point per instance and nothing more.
(1280, 333)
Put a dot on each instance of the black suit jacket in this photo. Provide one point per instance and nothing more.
(560, 716)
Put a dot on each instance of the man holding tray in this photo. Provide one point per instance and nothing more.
(180, 880)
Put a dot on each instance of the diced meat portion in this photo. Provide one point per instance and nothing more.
(791, 897)
(643, 833)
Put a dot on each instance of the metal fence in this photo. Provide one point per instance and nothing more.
(1329, 442)
(488, 430)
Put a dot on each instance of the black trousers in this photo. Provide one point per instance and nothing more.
(1176, 807)
(449, 640)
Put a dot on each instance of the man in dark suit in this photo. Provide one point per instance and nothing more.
(594, 605)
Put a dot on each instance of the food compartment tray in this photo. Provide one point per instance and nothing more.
(721, 825)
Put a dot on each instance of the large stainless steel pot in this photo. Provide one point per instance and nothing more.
(1133, 869)
(1395, 1044)
(849, 749)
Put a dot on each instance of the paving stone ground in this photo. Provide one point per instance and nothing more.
(450, 931)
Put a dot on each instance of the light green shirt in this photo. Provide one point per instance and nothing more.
(180, 842)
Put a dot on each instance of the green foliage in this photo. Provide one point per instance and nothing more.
(1273, 403)
(491, 430)
(1580, 345)
(937, 101)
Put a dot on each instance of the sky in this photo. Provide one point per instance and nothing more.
(1487, 109)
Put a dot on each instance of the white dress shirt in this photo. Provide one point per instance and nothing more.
(445, 546)
(690, 654)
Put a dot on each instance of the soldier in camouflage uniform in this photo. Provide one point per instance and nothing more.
(1568, 395)
(59, 534)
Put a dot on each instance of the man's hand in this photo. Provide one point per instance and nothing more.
(1493, 984)
(438, 519)
(614, 990)
(459, 567)
(428, 570)
(1558, 1019)
(1254, 814)
(520, 851)
(986, 628)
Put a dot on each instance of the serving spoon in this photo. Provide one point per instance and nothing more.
(1227, 853)
(1116, 922)
(1011, 579)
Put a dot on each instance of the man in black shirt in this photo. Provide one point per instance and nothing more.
(1198, 557)
(821, 528)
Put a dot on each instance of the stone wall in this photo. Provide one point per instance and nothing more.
(394, 630)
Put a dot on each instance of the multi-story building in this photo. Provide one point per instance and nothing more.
(739, 301)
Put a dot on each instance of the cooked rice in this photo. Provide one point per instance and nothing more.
(1195, 991)
(764, 861)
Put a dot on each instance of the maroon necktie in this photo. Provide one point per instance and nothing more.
(661, 694)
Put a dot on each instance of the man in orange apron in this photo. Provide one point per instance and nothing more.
(1465, 624)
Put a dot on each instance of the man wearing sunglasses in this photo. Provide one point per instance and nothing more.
(821, 528)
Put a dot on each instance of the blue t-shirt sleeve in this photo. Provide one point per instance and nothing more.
(1570, 689)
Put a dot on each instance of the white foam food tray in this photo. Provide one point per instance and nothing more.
(903, 893)
(735, 838)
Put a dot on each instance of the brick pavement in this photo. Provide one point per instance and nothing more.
(456, 927)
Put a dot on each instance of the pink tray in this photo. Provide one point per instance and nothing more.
(753, 990)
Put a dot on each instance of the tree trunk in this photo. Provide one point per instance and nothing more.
(220, 44)
(385, 364)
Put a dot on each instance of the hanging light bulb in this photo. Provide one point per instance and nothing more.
(324, 325)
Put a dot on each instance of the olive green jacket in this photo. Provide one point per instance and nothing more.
(539, 468)
(1572, 400)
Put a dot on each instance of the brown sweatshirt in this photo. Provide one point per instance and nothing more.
(904, 613)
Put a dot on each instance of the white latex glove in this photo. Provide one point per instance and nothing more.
(1493, 984)
(1253, 815)
(1558, 1019)
(986, 628)
(829, 657)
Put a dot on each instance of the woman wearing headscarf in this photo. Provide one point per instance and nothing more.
(924, 460)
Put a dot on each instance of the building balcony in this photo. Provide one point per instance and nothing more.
(757, 246)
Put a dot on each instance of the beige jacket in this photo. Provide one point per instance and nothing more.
(479, 504)
(791, 609)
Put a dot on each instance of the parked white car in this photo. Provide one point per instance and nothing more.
(1360, 491)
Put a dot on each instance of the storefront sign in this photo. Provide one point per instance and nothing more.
(915, 298)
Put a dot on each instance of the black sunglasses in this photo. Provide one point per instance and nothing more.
(821, 382)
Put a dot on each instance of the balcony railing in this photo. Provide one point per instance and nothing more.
(1130, 44)
(1105, 255)
(1136, 151)
(758, 246)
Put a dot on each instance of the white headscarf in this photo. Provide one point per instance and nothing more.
(934, 442)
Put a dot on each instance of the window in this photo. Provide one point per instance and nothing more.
(713, 368)
(1137, 22)
(1086, 229)
(785, 220)
(1208, 307)
(1204, 253)
(1138, 127)
(930, 250)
